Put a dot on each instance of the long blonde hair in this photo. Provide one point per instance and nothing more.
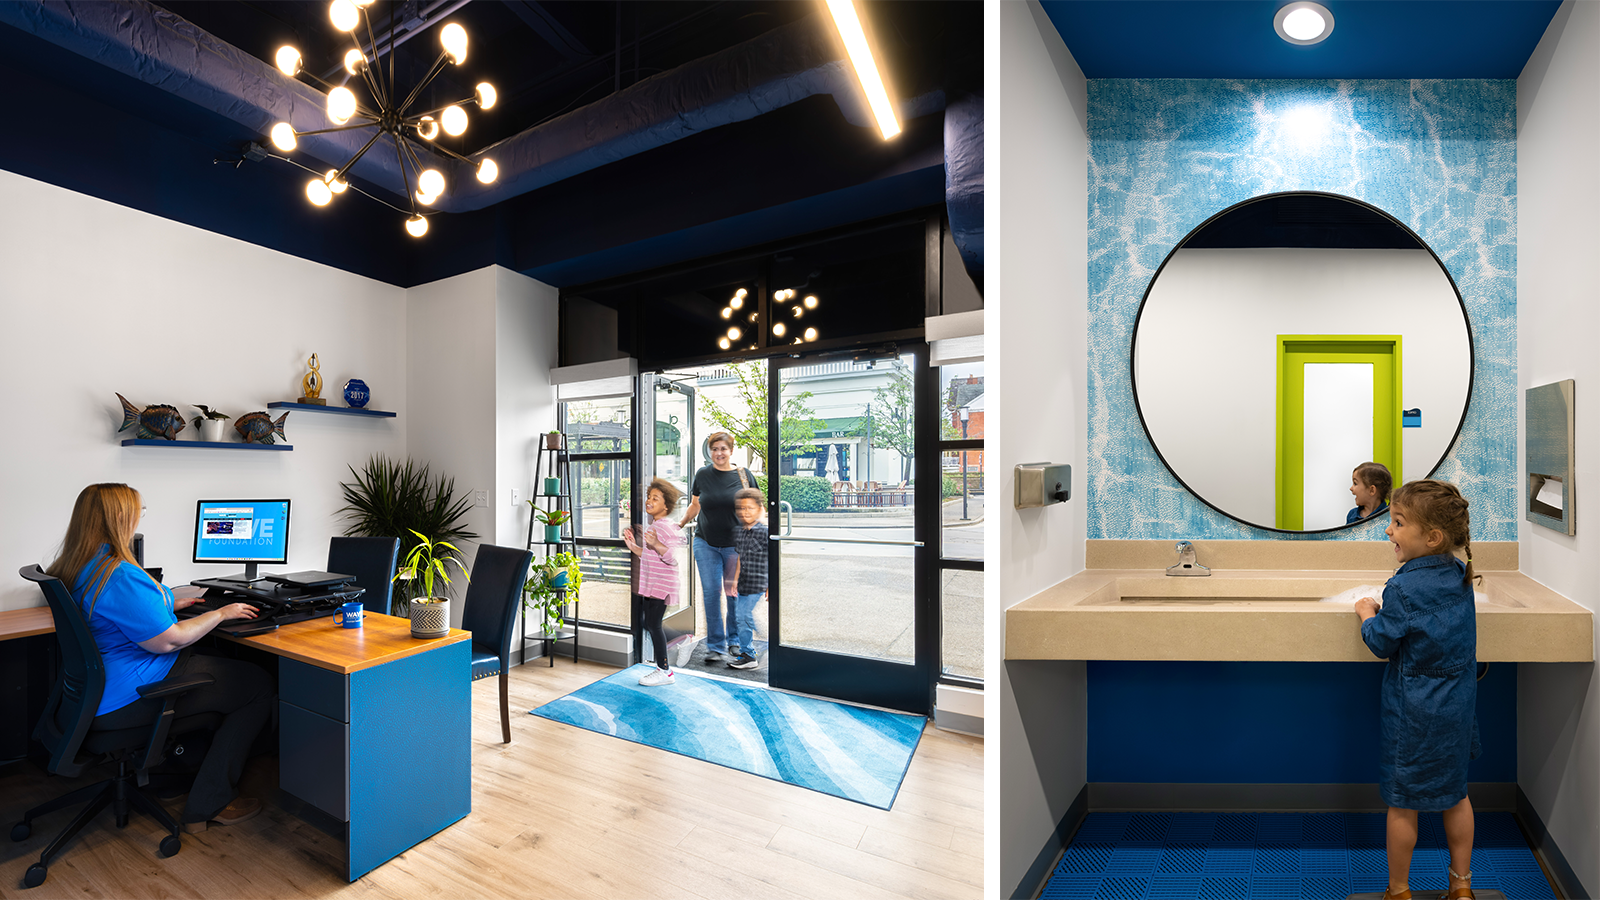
(105, 514)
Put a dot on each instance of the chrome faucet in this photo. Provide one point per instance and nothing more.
(1186, 564)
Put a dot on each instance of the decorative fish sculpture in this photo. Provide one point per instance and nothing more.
(156, 421)
(258, 427)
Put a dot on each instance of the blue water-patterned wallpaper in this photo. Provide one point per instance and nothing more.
(1165, 155)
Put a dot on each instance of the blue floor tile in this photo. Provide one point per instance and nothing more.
(1274, 856)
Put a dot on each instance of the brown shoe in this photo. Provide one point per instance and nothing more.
(1403, 895)
(240, 809)
(1462, 893)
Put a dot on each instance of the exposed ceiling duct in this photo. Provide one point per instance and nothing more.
(781, 67)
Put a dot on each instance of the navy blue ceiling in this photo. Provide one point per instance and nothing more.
(1235, 38)
(798, 168)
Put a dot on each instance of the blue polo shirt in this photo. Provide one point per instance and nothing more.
(131, 608)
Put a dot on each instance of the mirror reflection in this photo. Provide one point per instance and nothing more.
(1288, 341)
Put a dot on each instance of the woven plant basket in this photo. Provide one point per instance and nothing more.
(430, 619)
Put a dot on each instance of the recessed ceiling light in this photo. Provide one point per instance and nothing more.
(1303, 22)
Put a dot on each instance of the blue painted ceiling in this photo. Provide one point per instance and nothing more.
(798, 168)
(1235, 38)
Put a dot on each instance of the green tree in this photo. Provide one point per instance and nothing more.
(890, 422)
(797, 424)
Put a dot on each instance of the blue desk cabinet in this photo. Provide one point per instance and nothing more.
(385, 749)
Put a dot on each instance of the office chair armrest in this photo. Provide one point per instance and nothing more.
(168, 687)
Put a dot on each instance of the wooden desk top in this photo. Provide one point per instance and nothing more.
(321, 643)
(21, 623)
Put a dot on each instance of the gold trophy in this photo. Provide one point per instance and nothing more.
(312, 384)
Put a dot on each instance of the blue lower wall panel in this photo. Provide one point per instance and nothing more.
(1263, 723)
(410, 753)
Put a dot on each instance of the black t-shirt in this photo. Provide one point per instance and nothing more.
(715, 489)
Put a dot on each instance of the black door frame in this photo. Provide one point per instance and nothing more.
(852, 678)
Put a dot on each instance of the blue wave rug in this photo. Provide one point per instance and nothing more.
(848, 751)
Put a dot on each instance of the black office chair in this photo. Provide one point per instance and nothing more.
(67, 731)
(372, 561)
(498, 574)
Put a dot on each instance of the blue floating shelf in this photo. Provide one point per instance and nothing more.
(218, 445)
(341, 410)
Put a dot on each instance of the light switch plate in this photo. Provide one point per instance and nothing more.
(480, 498)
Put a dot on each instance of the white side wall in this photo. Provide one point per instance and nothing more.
(1558, 329)
(1037, 362)
(1206, 360)
(97, 299)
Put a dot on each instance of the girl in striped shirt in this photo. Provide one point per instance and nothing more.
(658, 571)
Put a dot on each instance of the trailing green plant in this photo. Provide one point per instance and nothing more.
(392, 499)
(539, 595)
(428, 560)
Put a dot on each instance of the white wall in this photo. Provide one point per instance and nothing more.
(1558, 329)
(1206, 358)
(97, 298)
(481, 347)
(1037, 361)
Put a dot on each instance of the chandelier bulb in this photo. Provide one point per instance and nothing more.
(778, 329)
(724, 343)
(341, 105)
(488, 171)
(354, 62)
(727, 312)
(811, 302)
(486, 95)
(335, 184)
(454, 39)
(811, 334)
(796, 311)
(283, 136)
(417, 226)
(737, 302)
(288, 60)
(317, 192)
(741, 293)
(454, 120)
(344, 15)
(430, 182)
(427, 128)
(733, 333)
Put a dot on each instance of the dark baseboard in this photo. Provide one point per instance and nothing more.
(1556, 867)
(1125, 797)
(1034, 879)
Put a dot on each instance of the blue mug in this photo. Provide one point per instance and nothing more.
(349, 615)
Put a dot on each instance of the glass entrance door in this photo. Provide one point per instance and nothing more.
(672, 411)
(849, 582)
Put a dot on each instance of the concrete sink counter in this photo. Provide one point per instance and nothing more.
(1262, 603)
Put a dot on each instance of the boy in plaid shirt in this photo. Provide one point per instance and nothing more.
(750, 571)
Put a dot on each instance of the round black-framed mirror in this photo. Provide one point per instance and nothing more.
(1275, 333)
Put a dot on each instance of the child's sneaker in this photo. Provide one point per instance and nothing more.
(742, 661)
(658, 677)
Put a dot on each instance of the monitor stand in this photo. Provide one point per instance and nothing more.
(248, 576)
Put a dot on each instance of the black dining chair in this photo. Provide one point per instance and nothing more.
(372, 561)
(489, 611)
(66, 729)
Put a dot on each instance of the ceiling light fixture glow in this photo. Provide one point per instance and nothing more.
(1303, 22)
(778, 329)
(388, 109)
(855, 43)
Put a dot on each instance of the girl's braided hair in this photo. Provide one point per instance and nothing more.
(1438, 504)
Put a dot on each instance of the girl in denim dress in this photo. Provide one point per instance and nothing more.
(1427, 629)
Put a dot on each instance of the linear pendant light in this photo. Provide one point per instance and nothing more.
(855, 43)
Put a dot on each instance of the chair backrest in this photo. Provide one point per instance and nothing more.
(76, 696)
(372, 560)
(498, 574)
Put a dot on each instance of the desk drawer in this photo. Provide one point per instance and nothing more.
(314, 759)
(314, 689)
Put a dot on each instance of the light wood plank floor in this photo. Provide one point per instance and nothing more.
(559, 813)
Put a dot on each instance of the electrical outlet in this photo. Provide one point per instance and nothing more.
(480, 498)
(516, 496)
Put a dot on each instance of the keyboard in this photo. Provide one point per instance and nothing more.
(215, 600)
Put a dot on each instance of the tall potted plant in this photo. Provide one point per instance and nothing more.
(389, 498)
(426, 565)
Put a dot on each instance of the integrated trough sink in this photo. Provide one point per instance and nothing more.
(1273, 589)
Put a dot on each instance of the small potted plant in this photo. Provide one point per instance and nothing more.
(551, 585)
(210, 423)
(552, 519)
(430, 613)
(552, 441)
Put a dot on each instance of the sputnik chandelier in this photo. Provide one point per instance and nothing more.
(389, 114)
(780, 329)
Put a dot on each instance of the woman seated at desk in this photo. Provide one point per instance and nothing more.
(131, 618)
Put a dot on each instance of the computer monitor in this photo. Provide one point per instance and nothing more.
(244, 532)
